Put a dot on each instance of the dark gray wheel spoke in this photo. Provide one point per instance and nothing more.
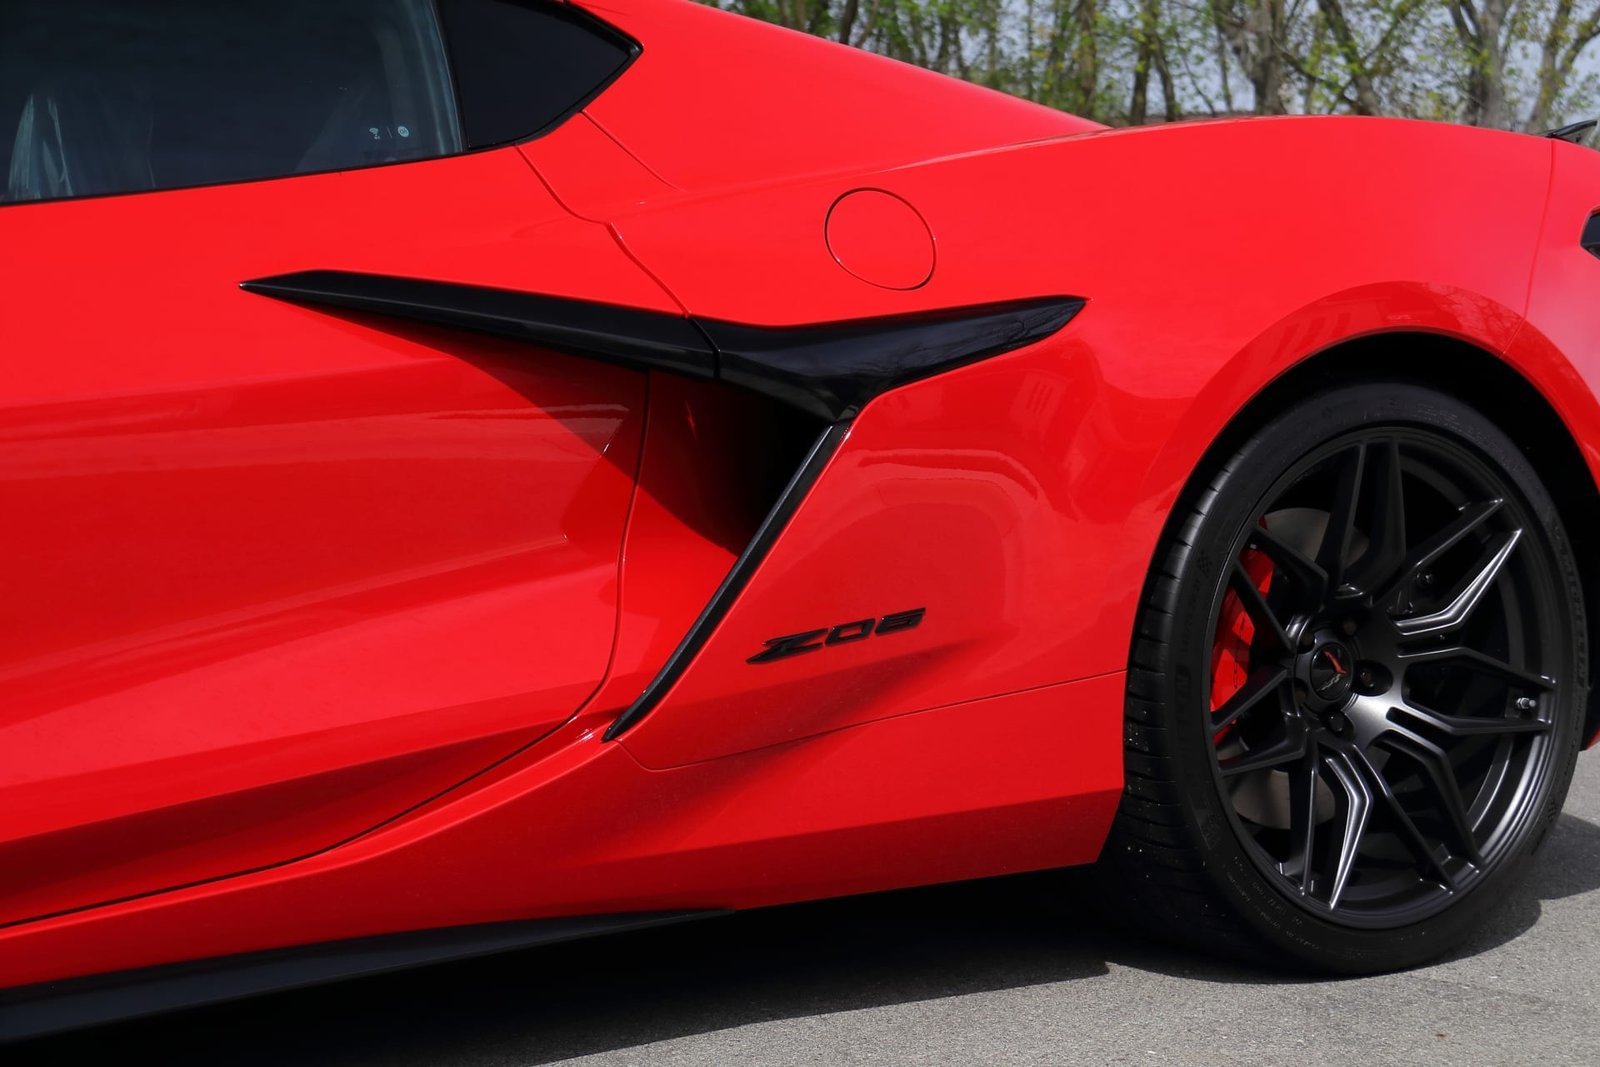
(1386, 532)
(1468, 593)
(1414, 716)
(1473, 660)
(1262, 683)
(1355, 810)
(1277, 754)
(1309, 580)
(1427, 554)
(1405, 828)
(1270, 634)
(1303, 781)
(1333, 555)
(1445, 791)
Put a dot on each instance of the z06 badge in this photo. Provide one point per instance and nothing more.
(843, 634)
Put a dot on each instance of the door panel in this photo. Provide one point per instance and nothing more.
(273, 575)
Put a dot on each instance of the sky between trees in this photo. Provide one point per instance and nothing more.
(1513, 64)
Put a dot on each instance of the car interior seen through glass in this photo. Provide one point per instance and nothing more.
(112, 96)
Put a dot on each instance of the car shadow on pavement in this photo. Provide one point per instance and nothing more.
(624, 992)
(1567, 866)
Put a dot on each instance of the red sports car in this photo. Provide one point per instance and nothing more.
(486, 472)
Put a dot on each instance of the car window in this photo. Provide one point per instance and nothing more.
(116, 96)
(120, 96)
(521, 66)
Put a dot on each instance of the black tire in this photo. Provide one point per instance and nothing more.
(1305, 861)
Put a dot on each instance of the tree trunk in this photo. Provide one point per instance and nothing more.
(1563, 47)
(1367, 102)
(1481, 28)
(847, 20)
(1255, 33)
(1086, 58)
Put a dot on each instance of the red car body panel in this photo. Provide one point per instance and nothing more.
(706, 81)
(577, 826)
(344, 538)
(325, 620)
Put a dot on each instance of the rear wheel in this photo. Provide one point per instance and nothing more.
(1355, 691)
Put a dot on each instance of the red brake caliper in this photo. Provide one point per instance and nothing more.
(1230, 654)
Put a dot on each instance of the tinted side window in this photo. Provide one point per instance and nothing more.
(115, 96)
(522, 67)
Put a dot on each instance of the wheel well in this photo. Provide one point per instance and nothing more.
(1489, 384)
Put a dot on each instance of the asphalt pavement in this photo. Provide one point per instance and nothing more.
(1018, 970)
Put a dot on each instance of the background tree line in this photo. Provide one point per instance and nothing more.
(1514, 64)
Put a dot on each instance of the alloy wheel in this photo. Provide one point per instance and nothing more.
(1381, 695)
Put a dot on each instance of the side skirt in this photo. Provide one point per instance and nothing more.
(70, 1004)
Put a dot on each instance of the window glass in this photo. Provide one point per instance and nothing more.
(117, 96)
(522, 66)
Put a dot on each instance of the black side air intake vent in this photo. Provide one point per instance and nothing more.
(1591, 235)
(828, 371)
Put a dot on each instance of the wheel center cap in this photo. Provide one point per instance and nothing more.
(1328, 672)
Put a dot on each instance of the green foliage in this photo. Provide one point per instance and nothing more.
(1512, 63)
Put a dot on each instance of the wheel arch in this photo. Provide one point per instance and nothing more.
(1476, 376)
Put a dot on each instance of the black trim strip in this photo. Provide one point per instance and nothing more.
(1574, 132)
(53, 1007)
(777, 519)
(829, 371)
(833, 370)
(643, 340)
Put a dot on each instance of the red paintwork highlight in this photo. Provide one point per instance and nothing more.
(587, 830)
(195, 827)
(274, 556)
(309, 593)
(881, 239)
